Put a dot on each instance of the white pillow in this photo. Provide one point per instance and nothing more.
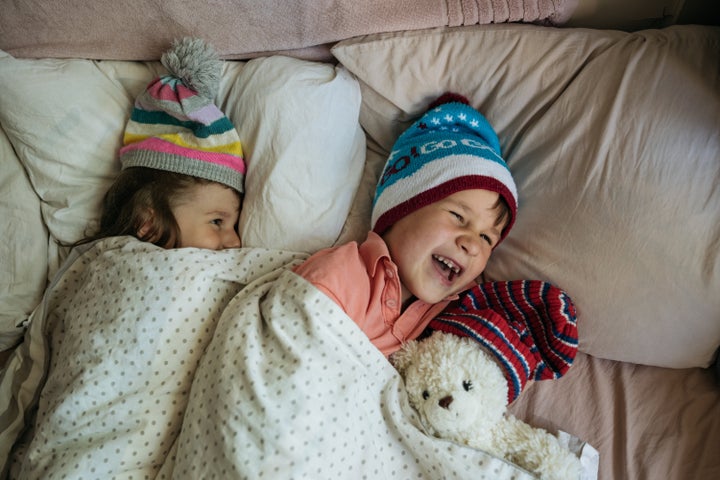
(298, 123)
(24, 237)
(612, 138)
(304, 147)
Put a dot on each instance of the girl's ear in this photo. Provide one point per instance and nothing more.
(147, 225)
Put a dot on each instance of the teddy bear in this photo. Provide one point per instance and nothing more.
(460, 395)
(480, 353)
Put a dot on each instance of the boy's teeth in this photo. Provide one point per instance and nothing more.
(449, 264)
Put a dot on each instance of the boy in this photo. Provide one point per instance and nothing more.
(444, 201)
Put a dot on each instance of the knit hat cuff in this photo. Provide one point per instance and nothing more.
(432, 195)
(196, 163)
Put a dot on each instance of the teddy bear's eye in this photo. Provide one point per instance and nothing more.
(467, 385)
(426, 395)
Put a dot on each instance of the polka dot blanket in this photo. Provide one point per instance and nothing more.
(197, 364)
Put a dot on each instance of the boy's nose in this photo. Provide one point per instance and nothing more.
(469, 243)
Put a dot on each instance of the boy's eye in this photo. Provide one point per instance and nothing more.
(486, 238)
(456, 215)
(216, 221)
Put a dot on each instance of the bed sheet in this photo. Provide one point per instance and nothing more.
(646, 422)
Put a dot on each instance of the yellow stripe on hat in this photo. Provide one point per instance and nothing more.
(156, 130)
(215, 143)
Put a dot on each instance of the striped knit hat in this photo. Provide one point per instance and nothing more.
(175, 125)
(451, 148)
(529, 327)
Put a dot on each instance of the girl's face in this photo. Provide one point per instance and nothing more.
(441, 248)
(208, 217)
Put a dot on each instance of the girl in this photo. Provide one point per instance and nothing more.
(170, 210)
(182, 163)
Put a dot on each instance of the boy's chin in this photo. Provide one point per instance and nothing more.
(432, 296)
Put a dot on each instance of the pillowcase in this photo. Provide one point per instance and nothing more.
(24, 238)
(64, 119)
(304, 146)
(612, 138)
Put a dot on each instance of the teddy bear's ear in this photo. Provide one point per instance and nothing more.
(402, 359)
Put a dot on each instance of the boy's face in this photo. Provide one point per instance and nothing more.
(441, 248)
(208, 217)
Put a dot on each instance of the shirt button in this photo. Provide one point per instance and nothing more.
(391, 303)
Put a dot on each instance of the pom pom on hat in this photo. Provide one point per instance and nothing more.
(196, 64)
(448, 97)
(451, 148)
(528, 326)
(176, 126)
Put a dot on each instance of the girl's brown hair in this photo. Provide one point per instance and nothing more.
(144, 197)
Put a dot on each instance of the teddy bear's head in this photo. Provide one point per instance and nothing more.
(454, 385)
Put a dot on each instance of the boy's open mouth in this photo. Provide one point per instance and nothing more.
(451, 268)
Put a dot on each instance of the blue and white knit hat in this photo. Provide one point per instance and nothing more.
(451, 148)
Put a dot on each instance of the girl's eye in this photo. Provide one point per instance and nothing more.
(216, 221)
(467, 385)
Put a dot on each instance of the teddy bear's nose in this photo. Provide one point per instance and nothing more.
(446, 401)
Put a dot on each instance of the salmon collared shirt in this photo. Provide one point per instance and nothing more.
(363, 280)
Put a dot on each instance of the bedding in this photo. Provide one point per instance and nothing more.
(290, 387)
(646, 422)
(121, 328)
(64, 121)
(276, 337)
(613, 139)
(141, 30)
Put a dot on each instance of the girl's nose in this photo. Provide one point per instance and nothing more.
(231, 239)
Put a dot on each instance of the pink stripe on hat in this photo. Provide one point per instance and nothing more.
(159, 145)
(164, 91)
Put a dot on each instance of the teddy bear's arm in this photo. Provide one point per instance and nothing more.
(536, 450)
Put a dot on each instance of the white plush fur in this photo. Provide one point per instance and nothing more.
(461, 395)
